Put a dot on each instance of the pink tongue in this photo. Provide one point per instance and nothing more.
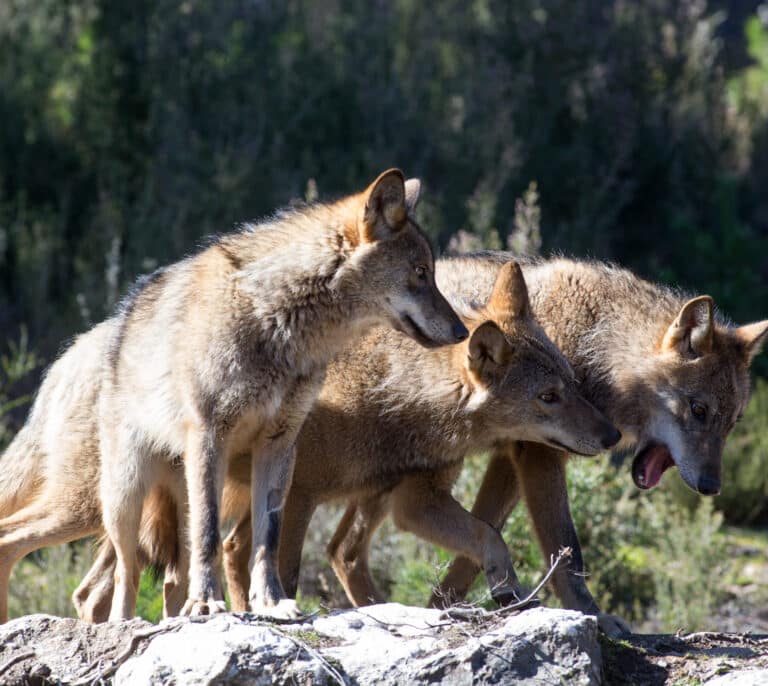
(656, 463)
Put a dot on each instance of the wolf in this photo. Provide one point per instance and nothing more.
(390, 416)
(228, 348)
(50, 469)
(665, 368)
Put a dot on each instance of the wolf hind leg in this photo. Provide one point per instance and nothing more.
(297, 513)
(237, 553)
(93, 597)
(35, 526)
(349, 548)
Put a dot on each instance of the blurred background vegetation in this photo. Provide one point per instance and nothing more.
(633, 131)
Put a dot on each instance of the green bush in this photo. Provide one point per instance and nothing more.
(744, 497)
(15, 366)
(45, 580)
(149, 603)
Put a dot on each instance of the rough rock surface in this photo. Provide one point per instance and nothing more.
(711, 658)
(384, 644)
(752, 677)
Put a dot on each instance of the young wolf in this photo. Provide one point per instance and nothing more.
(227, 349)
(671, 375)
(391, 415)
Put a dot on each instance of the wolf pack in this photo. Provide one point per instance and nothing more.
(325, 355)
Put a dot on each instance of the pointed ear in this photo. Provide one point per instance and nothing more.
(752, 337)
(488, 350)
(412, 192)
(509, 298)
(692, 331)
(383, 207)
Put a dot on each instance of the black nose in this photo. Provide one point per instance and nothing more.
(460, 331)
(708, 485)
(611, 437)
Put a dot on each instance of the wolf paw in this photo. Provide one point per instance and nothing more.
(195, 607)
(613, 626)
(285, 608)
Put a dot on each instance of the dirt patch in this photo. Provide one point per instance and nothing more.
(668, 660)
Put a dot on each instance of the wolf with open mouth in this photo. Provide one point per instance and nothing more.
(668, 371)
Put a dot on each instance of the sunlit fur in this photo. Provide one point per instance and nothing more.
(220, 353)
(611, 326)
(390, 410)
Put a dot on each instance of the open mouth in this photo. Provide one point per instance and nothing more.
(562, 446)
(411, 328)
(649, 464)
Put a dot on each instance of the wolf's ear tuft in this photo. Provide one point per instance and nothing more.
(509, 298)
(690, 335)
(412, 193)
(384, 208)
(488, 350)
(752, 337)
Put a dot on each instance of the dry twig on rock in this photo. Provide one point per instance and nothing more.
(471, 612)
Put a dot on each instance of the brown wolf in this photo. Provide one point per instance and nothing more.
(391, 415)
(227, 349)
(665, 369)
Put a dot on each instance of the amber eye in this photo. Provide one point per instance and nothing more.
(421, 272)
(549, 397)
(699, 410)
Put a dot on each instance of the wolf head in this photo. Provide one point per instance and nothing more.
(524, 386)
(396, 264)
(700, 385)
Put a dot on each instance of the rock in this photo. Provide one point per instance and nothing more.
(383, 644)
(750, 677)
(56, 649)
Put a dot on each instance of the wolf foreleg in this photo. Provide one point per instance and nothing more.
(204, 471)
(498, 495)
(271, 474)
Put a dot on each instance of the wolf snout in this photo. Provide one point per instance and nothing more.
(611, 437)
(460, 332)
(708, 485)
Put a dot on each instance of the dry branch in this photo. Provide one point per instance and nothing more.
(472, 612)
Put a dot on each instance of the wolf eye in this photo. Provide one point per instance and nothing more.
(421, 272)
(549, 397)
(699, 410)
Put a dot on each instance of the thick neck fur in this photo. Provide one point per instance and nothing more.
(296, 286)
(425, 395)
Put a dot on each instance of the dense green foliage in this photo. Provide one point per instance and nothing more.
(633, 131)
(129, 131)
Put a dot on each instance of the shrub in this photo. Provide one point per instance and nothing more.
(15, 366)
(44, 580)
(744, 498)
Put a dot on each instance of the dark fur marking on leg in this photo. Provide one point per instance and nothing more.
(273, 532)
(209, 545)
